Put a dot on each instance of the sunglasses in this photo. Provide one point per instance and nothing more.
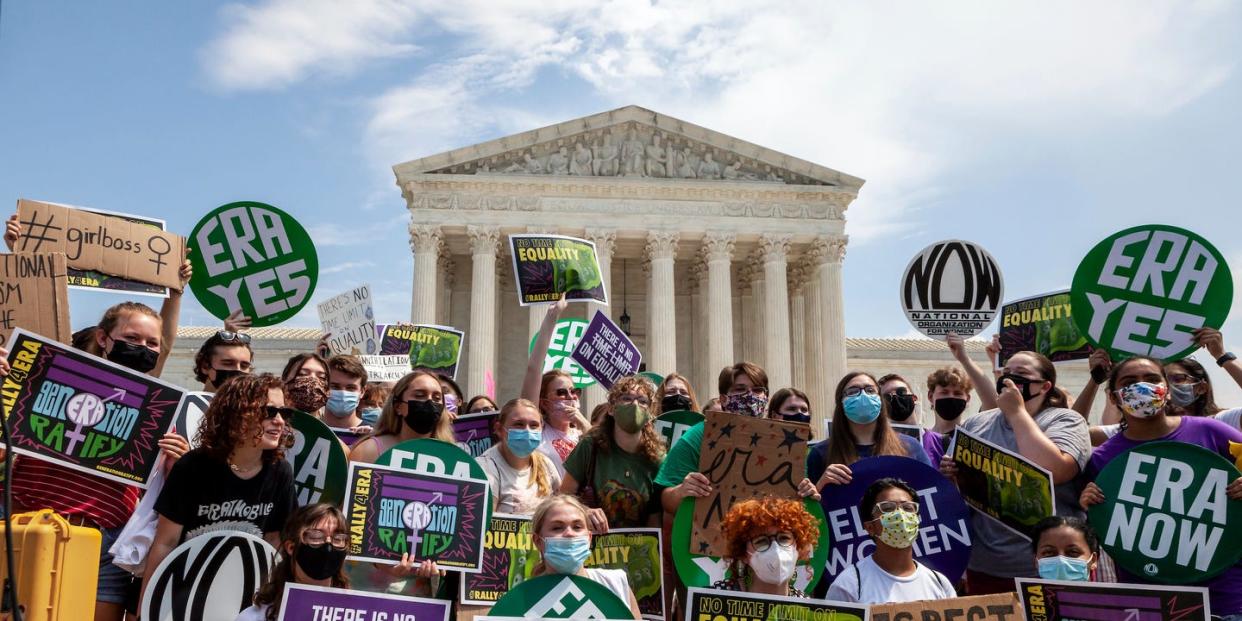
(271, 411)
(232, 337)
(568, 393)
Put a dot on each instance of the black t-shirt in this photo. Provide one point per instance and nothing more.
(202, 494)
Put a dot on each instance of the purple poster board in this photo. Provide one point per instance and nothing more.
(475, 433)
(605, 352)
(303, 602)
(393, 512)
(69, 407)
(944, 534)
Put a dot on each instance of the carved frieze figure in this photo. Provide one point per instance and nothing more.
(604, 162)
(655, 158)
(733, 171)
(558, 163)
(708, 168)
(671, 156)
(581, 162)
(632, 151)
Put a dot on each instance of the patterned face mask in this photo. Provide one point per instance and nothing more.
(746, 403)
(307, 393)
(1143, 399)
(901, 528)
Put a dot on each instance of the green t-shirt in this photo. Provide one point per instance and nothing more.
(622, 481)
(682, 458)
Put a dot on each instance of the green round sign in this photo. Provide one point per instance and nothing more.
(564, 340)
(1142, 291)
(672, 424)
(253, 257)
(1166, 516)
(430, 456)
(700, 570)
(320, 466)
(561, 597)
(654, 378)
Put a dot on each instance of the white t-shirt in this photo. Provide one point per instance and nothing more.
(614, 579)
(880, 587)
(513, 491)
(1110, 430)
(1233, 417)
(557, 445)
(253, 613)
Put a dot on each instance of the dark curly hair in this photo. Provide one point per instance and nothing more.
(205, 353)
(650, 443)
(272, 591)
(236, 412)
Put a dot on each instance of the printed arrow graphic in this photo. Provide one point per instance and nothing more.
(118, 393)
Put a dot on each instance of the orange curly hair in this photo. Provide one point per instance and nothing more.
(235, 413)
(750, 518)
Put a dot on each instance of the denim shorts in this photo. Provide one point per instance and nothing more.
(115, 584)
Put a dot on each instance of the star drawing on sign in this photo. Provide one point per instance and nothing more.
(791, 436)
(702, 547)
(754, 439)
(762, 459)
(727, 430)
(711, 445)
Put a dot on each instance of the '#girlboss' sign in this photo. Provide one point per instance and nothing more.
(1166, 515)
(1144, 290)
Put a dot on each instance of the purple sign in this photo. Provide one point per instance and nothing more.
(303, 602)
(606, 352)
(944, 533)
(474, 432)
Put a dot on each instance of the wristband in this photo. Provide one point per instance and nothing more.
(1226, 359)
(1099, 375)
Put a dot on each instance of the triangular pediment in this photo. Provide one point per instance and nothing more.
(628, 142)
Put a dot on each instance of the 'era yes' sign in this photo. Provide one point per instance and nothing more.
(253, 257)
(1145, 289)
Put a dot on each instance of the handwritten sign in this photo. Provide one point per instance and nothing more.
(95, 280)
(744, 458)
(33, 295)
(1001, 484)
(350, 321)
(92, 241)
(605, 352)
(83, 412)
(549, 266)
(385, 368)
(998, 607)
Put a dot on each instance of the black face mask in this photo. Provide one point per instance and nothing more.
(135, 357)
(674, 403)
(319, 562)
(422, 415)
(949, 408)
(224, 375)
(900, 406)
(1023, 384)
(796, 418)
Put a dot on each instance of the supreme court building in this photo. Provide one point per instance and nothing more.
(715, 249)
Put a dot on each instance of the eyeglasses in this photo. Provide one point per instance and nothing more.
(233, 337)
(889, 506)
(316, 537)
(854, 390)
(1182, 378)
(567, 393)
(643, 401)
(763, 542)
(271, 411)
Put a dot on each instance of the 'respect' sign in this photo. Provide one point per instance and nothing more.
(253, 257)
(1144, 290)
(951, 286)
(1166, 514)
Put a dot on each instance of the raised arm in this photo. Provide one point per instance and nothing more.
(1214, 342)
(1100, 364)
(1032, 442)
(534, 366)
(170, 316)
(983, 383)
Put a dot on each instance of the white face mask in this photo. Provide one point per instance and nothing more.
(774, 565)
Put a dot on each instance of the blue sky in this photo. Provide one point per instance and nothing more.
(1035, 129)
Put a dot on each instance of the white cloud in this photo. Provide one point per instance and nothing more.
(350, 233)
(345, 266)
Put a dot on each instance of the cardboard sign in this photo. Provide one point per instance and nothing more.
(385, 368)
(744, 458)
(1166, 516)
(1056, 600)
(944, 528)
(547, 266)
(302, 602)
(94, 280)
(998, 607)
(350, 320)
(1142, 291)
(565, 338)
(714, 605)
(559, 596)
(672, 424)
(476, 433)
(605, 352)
(704, 570)
(71, 408)
(190, 414)
(1000, 484)
(212, 577)
(951, 286)
(253, 257)
(429, 347)
(92, 241)
(396, 511)
(319, 463)
(1042, 324)
(33, 295)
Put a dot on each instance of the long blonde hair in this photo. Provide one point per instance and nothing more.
(389, 423)
(540, 466)
(541, 514)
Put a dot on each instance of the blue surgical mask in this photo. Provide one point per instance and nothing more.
(862, 408)
(370, 416)
(523, 442)
(342, 402)
(1064, 568)
(565, 555)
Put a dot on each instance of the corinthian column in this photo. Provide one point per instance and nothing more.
(426, 242)
(661, 248)
(829, 252)
(774, 250)
(481, 341)
(604, 240)
(797, 324)
(818, 383)
(718, 248)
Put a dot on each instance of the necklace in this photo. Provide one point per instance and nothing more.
(239, 469)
